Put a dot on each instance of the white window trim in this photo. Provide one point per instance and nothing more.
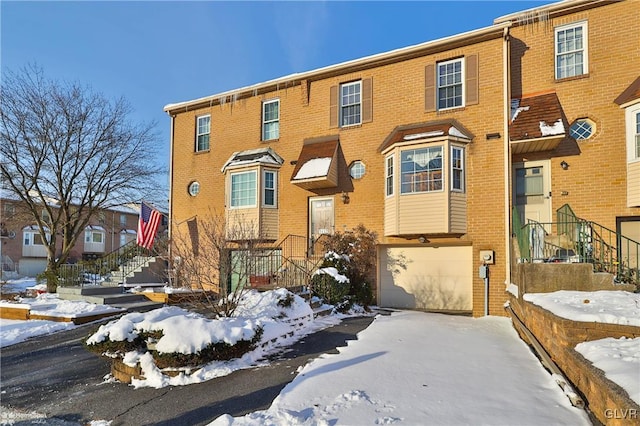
(389, 160)
(198, 134)
(89, 233)
(341, 106)
(442, 170)
(463, 78)
(585, 48)
(30, 233)
(630, 122)
(265, 121)
(255, 189)
(275, 189)
(463, 171)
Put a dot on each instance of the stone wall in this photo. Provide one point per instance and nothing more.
(606, 400)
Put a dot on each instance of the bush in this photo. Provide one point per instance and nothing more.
(359, 247)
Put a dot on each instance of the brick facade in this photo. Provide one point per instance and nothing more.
(398, 98)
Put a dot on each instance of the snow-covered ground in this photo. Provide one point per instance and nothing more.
(412, 368)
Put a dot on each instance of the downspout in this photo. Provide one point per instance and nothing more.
(170, 225)
(506, 78)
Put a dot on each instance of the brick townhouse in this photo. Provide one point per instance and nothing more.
(431, 146)
(23, 251)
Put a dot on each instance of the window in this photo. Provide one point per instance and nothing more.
(243, 189)
(389, 175)
(421, 170)
(271, 120)
(194, 188)
(33, 238)
(457, 168)
(123, 220)
(92, 236)
(350, 103)
(270, 184)
(581, 129)
(9, 209)
(203, 124)
(529, 185)
(450, 84)
(45, 216)
(357, 169)
(571, 50)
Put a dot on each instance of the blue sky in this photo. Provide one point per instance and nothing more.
(159, 52)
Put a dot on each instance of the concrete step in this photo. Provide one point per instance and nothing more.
(87, 290)
(139, 306)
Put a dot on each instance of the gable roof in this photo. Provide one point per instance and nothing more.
(265, 156)
(426, 130)
(630, 94)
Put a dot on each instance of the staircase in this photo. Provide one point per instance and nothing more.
(574, 240)
(105, 280)
(109, 295)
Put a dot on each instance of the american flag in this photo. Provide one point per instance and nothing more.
(147, 226)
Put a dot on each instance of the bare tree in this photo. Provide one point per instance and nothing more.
(71, 152)
(213, 258)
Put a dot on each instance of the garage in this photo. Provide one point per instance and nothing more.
(426, 278)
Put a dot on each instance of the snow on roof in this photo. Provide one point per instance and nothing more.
(316, 167)
(556, 128)
(253, 156)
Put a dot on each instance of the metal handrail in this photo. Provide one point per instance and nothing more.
(576, 240)
(122, 261)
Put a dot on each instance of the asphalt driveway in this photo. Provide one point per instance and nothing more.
(55, 376)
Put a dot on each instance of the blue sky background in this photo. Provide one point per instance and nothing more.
(159, 52)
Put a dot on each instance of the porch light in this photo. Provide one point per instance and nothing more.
(345, 197)
(564, 165)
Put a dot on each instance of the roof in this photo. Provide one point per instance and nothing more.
(265, 156)
(426, 130)
(405, 53)
(317, 161)
(630, 94)
(536, 116)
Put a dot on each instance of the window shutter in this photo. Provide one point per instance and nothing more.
(333, 107)
(471, 72)
(367, 100)
(430, 87)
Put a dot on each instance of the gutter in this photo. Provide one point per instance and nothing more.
(506, 113)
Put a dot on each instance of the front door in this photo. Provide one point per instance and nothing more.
(532, 191)
(320, 217)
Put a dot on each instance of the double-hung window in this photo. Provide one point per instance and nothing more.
(270, 185)
(350, 103)
(571, 50)
(203, 132)
(389, 176)
(457, 168)
(271, 120)
(243, 189)
(450, 80)
(421, 170)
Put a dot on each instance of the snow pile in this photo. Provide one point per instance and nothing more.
(556, 128)
(282, 316)
(619, 359)
(609, 307)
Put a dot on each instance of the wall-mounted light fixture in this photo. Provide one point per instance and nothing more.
(564, 165)
(345, 197)
(422, 240)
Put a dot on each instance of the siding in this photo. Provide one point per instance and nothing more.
(633, 184)
(423, 213)
(458, 212)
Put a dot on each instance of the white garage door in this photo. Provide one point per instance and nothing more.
(426, 278)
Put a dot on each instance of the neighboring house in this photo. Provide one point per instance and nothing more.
(431, 146)
(23, 251)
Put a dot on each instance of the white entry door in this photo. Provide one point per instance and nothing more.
(532, 191)
(321, 218)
